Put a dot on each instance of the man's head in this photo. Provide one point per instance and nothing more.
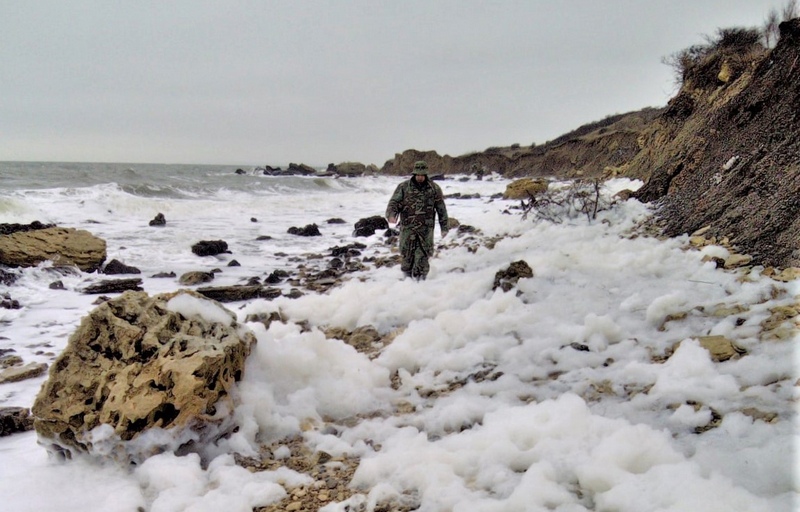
(420, 168)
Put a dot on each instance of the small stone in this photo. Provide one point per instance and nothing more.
(295, 505)
(737, 260)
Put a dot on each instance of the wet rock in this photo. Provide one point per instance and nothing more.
(234, 263)
(6, 302)
(507, 279)
(367, 226)
(117, 267)
(196, 277)
(276, 276)
(210, 247)
(65, 246)
(15, 419)
(158, 220)
(137, 363)
(237, 293)
(56, 285)
(309, 230)
(161, 275)
(114, 286)
(348, 251)
(8, 229)
(7, 277)
(336, 220)
(18, 373)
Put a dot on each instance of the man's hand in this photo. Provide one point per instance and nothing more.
(392, 219)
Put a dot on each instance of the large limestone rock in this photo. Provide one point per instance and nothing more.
(65, 246)
(525, 188)
(137, 363)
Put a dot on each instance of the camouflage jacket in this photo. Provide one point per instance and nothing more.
(417, 206)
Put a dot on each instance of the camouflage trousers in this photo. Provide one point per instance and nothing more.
(416, 248)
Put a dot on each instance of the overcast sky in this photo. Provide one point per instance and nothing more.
(272, 82)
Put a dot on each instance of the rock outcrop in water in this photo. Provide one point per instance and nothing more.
(63, 246)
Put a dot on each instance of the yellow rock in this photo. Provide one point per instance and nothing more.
(525, 188)
(725, 73)
(737, 260)
(720, 347)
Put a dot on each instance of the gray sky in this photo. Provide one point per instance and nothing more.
(272, 82)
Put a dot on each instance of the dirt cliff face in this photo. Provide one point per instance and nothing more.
(588, 151)
(727, 154)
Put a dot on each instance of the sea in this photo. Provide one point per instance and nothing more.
(584, 387)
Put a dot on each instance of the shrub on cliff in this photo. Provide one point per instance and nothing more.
(702, 64)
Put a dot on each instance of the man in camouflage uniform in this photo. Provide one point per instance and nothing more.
(417, 201)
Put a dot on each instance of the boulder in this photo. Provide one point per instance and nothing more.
(158, 220)
(117, 267)
(136, 364)
(349, 169)
(301, 169)
(525, 188)
(195, 277)
(15, 419)
(367, 226)
(210, 247)
(65, 246)
(309, 230)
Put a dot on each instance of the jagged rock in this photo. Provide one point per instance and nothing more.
(195, 277)
(309, 230)
(349, 169)
(114, 286)
(301, 169)
(65, 246)
(236, 293)
(507, 279)
(15, 419)
(158, 220)
(525, 188)
(239, 171)
(367, 226)
(7, 359)
(276, 276)
(8, 229)
(210, 247)
(6, 302)
(138, 363)
(349, 250)
(117, 267)
(18, 373)
(7, 277)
